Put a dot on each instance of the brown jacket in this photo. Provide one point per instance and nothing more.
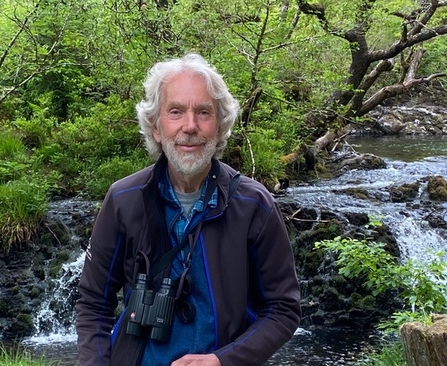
(248, 255)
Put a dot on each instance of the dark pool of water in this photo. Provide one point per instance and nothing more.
(406, 148)
(325, 347)
(309, 347)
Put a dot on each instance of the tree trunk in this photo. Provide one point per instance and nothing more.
(425, 345)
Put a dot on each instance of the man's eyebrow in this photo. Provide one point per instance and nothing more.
(174, 104)
(209, 106)
(179, 105)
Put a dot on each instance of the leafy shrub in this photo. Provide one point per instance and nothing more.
(116, 168)
(262, 156)
(421, 285)
(36, 131)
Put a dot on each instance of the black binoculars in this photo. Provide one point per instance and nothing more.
(154, 311)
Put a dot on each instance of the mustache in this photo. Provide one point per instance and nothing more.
(190, 141)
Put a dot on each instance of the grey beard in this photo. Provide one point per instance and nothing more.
(189, 164)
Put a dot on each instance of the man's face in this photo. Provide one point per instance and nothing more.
(188, 124)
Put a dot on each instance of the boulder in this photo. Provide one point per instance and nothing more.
(425, 345)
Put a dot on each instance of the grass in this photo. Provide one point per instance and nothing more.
(18, 356)
(24, 204)
(391, 354)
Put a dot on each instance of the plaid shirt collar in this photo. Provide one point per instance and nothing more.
(177, 224)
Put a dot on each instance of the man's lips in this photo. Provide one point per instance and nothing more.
(189, 147)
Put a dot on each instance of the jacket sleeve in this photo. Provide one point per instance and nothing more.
(101, 279)
(277, 295)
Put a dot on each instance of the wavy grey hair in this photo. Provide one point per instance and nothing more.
(148, 110)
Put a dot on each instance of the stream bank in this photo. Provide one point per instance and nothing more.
(38, 280)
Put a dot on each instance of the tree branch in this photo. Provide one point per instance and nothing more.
(17, 34)
(393, 90)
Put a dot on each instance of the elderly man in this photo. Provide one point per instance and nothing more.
(201, 253)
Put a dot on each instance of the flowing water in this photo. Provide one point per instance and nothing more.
(408, 160)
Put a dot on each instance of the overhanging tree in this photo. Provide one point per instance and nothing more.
(363, 88)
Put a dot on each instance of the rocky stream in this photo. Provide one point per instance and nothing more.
(390, 177)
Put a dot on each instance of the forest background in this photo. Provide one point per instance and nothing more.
(71, 73)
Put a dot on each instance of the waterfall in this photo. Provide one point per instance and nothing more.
(409, 223)
(54, 321)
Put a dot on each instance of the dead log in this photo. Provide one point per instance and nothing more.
(425, 345)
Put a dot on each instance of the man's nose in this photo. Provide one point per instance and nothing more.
(190, 125)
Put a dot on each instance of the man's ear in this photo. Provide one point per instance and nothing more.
(156, 133)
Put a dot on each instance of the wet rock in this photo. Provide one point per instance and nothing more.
(354, 192)
(411, 114)
(423, 344)
(437, 188)
(405, 192)
(340, 163)
(25, 270)
(390, 123)
(328, 298)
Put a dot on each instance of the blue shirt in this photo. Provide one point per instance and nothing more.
(199, 335)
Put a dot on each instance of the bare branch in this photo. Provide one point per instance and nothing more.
(22, 26)
(40, 62)
(15, 87)
(414, 65)
(427, 15)
(393, 90)
(293, 25)
(276, 47)
(369, 80)
(315, 9)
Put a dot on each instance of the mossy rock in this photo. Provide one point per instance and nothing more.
(405, 192)
(23, 325)
(362, 302)
(340, 283)
(437, 188)
(56, 264)
(321, 231)
(309, 262)
(316, 290)
(331, 300)
(4, 307)
(39, 272)
(34, 292)
(369, 302)
(359, 193)
(54, 234)
(297, 218)
(355, 299)
(353, 161)
(358, 218)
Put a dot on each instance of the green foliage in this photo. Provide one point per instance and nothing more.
(36, 131)
(19, 356)
(261, 155)
(11, 170)
(435, 51)
(71, 72)
(421, 285)
(24, 204)
(397, 319)
(109, 172)
(375, 220)
(10, 146)
(13, 157)
(390, 353)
